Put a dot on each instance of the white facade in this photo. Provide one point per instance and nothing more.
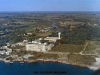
(2, 52)
(27, 56)
(21, 44)
(51, 39)
(38, 47)
(25, 41)
(35, 47)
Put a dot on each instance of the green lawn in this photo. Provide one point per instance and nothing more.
(68, 48)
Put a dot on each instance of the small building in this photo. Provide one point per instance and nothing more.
(53, 39)
(14, 45)
(27, 56)
(21, 44)
(2, 51)
(8, 52)
(25, 41)
(29, 33)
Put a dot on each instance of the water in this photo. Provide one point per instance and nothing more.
(41, 68)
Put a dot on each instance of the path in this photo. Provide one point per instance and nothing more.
(84, 48)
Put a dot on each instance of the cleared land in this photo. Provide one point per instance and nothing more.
(43, 34)
(44, 56)
(68, 48)
(93, 47)
(81, 59)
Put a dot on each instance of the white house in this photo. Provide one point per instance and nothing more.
(21, 44)
(2, 51)
(6, 50)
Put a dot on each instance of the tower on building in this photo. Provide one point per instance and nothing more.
(59, 35)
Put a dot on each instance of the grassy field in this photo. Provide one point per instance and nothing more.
(93, 47)
(43, 34)
(25, 23)
(44, 56)
(48, 56)
(19, 47)
(68, 48)
(81, 59)
(30, 28)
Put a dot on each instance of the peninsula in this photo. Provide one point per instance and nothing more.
(64, 37)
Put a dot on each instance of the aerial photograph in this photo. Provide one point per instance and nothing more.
(49, 37)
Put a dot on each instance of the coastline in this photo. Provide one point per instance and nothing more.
(92, 67)
(39, 66)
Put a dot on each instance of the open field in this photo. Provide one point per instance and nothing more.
(68, 48)
(48, 56)
(81, 59)
(93, 47)
(18, 47)
(73, 23)
(44, 56)
(30, 28)
(25, 23)
(43, 34)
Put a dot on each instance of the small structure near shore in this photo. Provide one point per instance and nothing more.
(27, 56)
(5, 50)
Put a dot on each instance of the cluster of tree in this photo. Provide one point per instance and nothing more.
(3, 41)
(15, 36)
(32, 37)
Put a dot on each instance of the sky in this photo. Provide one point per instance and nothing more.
(49, 5)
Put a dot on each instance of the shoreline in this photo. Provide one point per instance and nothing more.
(93, 68)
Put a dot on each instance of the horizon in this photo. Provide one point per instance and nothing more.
(48, 11)
(49, 5)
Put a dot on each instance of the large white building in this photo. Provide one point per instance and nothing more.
(36, 45)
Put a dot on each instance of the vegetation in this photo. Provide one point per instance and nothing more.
(81, 59)
(44, 56)
(76, 29)
(68, 48)
(93, 47)
(48, 56)
(79, 35)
